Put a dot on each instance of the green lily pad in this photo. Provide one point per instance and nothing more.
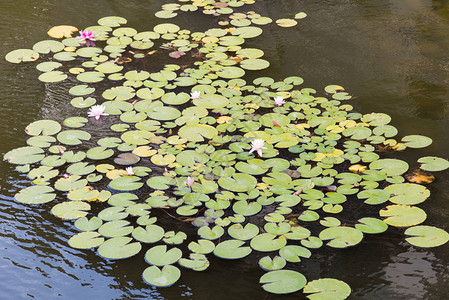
(21, 55)
(238, 183)
(90, 77)
(341, 237)
(71, 210)
(267, 242)
(159, 256)
(240, 232)
(161, 278)
(371, 225)
(173, 238)
(75, 122)
(35, 194)
(407, 193)
(119, 93)
(374, 196)
(43, 127)
(126, 183)
(327, 288)
(403, 215)
(433, 164)
(283, 281)
(232, 249)
(73, 137)
(292, 253)
(24, 155)
(211, 233)
(392, 167)
(426, 236)
(150, 234)
(119, 248)
(73, 182)
(99, 153)
(52, 76)
(416, 141)
(202, 246)
(115, 228)
(85, 224)
(268, 264)
(81, 90)
(86, 240)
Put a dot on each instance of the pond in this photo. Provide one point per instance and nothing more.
(391, 55)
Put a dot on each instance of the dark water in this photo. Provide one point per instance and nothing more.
(393, 55)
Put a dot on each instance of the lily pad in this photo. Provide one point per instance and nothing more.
(327, 288)
(164, 277)
(433, 164)
(232, 249)
(21, 55)
(119, 248)
(35, 194)
(267, 242)
(283, 281)
(341, 237)
(71, 210)
(159, 256)
(403, 215)
(416, 141)
(43, 127)
(86, 240)
(407, 193)
(427, 236)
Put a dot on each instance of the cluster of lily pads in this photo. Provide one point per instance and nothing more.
(260, 166)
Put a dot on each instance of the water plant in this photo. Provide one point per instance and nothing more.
(264, 166)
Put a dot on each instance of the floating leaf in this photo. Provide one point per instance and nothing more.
(433, 164)
(416, 141)
(159, 256)
(71, 210)
(268, 264)
(24, 155)
(232, 249)
(341, 237)
(60, 31)
(283, 281)
(403, 215)
(426, 236)
(371, 225)
(19, 55)
(327, 288)
(35, 194)
(407, 193)
(119, 248)
(86, 240)
(161, 278)
(267, 242)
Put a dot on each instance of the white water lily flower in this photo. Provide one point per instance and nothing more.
(97, 111)
(278, 101)
(195, 95)
(129, 171)
(189, 181)
(257, 145)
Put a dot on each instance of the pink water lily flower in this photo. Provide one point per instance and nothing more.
(189, 181)
(257, 145)
(87, 35)
(278, 101)
(129, 171)
(195, 95)
(97, 111)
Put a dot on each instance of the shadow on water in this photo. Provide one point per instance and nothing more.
(392, 55)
